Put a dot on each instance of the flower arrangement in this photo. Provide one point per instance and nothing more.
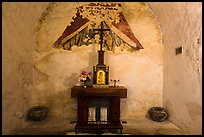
(85, 76)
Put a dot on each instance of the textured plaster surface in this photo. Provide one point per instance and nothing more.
(57, 70)
(34, 73)
(47, 78)
(182, 93)
(18, 23)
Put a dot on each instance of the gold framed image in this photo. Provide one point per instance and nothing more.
(100, 77)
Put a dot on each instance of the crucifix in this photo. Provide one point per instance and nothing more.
(101, 71)
(101, 30)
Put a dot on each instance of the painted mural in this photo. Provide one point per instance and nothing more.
(88, 17)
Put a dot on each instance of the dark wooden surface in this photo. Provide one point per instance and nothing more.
(102, 91)
(84, 95)
(102, 126)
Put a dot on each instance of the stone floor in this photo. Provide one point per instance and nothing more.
(65, 127)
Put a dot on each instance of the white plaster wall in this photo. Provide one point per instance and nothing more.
(57, 70)
(182, 95)
(18, 23)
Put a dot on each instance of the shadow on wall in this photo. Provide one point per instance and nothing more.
(71, 80)
(93, 59)
(62, 105)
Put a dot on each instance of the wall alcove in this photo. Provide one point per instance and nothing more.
(57, 70)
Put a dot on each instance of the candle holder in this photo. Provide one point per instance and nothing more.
(114, 82)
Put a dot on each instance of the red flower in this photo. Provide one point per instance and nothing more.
(85, 76)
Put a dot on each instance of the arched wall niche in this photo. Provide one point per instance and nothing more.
(56, 70)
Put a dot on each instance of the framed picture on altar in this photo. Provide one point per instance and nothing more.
(100, 75)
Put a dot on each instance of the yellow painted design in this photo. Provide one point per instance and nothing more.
(100, 80)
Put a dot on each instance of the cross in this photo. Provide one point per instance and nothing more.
(101, 33)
